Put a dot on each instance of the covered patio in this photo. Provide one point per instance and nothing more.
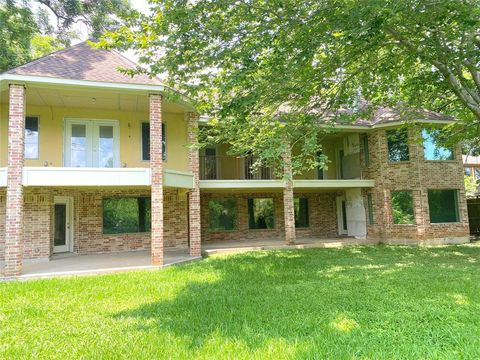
(70, 264)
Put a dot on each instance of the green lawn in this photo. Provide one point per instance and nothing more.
(358, 302)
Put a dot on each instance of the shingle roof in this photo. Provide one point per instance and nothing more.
(82, 62)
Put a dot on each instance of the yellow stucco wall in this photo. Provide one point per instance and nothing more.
(51, 128)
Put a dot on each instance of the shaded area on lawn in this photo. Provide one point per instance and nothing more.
(361, 301)
(355, 302)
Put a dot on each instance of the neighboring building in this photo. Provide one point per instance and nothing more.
(85, 169)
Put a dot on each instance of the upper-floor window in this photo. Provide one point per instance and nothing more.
(432, 148)
(146, 141)
(468, 171)
(398, 145)
(477, 173)
(31, 137)
(320, 174)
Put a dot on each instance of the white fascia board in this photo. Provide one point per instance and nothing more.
(333, 184)
(278, 184)
(178, 179)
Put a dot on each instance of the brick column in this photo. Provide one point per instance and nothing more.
(156, 169)
(14, 201)
(194, 196)
(288, 206)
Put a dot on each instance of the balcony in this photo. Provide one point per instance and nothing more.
(214, 167)
(92, 177)
(229, 172)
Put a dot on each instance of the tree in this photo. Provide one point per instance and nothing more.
(26, 34)
(266, 71)
(17, 29)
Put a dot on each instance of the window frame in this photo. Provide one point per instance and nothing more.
(38, 138)
(235, 222)
(164, 139)
(248, 213)
(370, 215)
(127, 232)
(299, 198)
(452, 150)
(414, 222)
(396, 130)
(456, 205)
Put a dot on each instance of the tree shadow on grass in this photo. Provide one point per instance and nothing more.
(334, 301)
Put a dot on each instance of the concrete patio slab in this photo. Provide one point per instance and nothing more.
(235, 246)
(73, 264)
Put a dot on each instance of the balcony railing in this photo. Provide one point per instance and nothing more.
(214, 167)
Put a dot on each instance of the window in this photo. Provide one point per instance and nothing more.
(398, 145)
(443, 206)
(477, 173)
(431, 147)
(31, 137)
(366, 153)
(126, 215)
(319, 169)
(146, 141)
(261, 214)
(468, 171)
(301, 212)
(222, 214)
(370, 209)
(402, 207)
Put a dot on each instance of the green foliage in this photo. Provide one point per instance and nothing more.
(267, 71)
(402, 207)
(42, 45)
(471, 185)
(261, 213)
(17, 29)
(368, 302)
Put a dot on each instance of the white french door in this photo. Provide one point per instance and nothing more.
(92, 143)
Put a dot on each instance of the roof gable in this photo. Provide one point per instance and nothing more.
(82, 62)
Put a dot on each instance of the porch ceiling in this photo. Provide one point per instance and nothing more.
(92, 99)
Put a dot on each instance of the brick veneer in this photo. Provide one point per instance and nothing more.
(288, 206)
(88, 222)
(14, 196)
(2, 229)
(322, 211)
(418, 176)
(194, 195)
(156, 168)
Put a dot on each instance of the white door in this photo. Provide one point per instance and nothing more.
(342, 215)
(63, 224)
(92, 143)
(356, 215)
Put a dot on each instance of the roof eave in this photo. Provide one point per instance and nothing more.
(51, 82)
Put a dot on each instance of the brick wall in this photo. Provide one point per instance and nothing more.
(322, 212)
(194, 195)
(2, 226)
(88, 220)
(418, 176)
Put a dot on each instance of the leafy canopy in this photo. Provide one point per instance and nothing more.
(267, 70)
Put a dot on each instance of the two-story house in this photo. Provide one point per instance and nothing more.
(95, 161)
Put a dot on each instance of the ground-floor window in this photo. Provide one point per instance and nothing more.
(370, 209)
(261, 213)
(443, 206)
(301, 212)
(126, 215)
(402, 207)
(222, 214)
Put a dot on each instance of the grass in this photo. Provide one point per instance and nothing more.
(358, 302)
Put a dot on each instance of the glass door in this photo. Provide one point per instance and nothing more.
(90, 143)
(63, 224)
